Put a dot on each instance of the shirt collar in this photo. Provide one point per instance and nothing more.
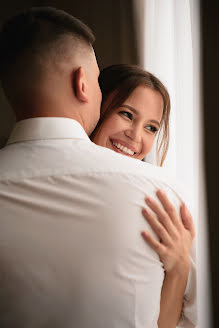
(46, 128)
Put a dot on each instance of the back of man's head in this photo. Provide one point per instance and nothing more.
(36, 46)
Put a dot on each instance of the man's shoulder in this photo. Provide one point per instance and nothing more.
(135, 172)
(73, 157)
(110, 161)
(93, 165)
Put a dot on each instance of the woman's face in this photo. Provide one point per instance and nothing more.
(130, 129)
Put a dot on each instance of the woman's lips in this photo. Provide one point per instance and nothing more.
(124, 144)
(119, 150)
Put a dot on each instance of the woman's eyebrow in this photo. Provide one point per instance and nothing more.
(131, 108)
(155, 122)
(136, 112)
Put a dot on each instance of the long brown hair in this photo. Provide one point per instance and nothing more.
(121, 80)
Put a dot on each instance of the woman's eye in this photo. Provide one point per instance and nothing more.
(127, 114)
(152, 128)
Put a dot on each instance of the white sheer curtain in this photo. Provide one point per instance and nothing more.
(169, 55)
(171, 51)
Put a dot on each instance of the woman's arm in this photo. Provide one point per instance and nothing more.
(176, 237)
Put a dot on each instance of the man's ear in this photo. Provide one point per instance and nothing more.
(80, 85)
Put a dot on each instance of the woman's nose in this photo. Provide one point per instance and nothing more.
(134, 134)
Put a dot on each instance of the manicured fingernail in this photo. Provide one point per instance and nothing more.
(149, 200)
(186, 209)
(144, 211)
(144, 233)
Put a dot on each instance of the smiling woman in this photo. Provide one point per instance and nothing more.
(135, 107)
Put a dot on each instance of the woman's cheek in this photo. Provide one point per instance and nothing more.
(148, 144)
(117, 125)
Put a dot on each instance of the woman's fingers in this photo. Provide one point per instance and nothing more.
(187, 219)
(155, 245)
(163, 216)
(169, 208)
(157, 227)
(174, 230)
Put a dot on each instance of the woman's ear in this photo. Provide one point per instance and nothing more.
(80, 85)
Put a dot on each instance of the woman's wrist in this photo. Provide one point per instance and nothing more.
(181, 270)
(172, 294)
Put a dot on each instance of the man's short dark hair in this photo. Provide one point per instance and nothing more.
(35, 30)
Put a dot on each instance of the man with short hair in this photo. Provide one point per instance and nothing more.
(38, 50)
(71, 254)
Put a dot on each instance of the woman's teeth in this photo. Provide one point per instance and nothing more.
(123, 149)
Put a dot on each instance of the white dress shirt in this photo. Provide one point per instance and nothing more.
(71, 250)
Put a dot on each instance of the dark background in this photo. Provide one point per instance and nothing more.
(210, 95)
(112, 22)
